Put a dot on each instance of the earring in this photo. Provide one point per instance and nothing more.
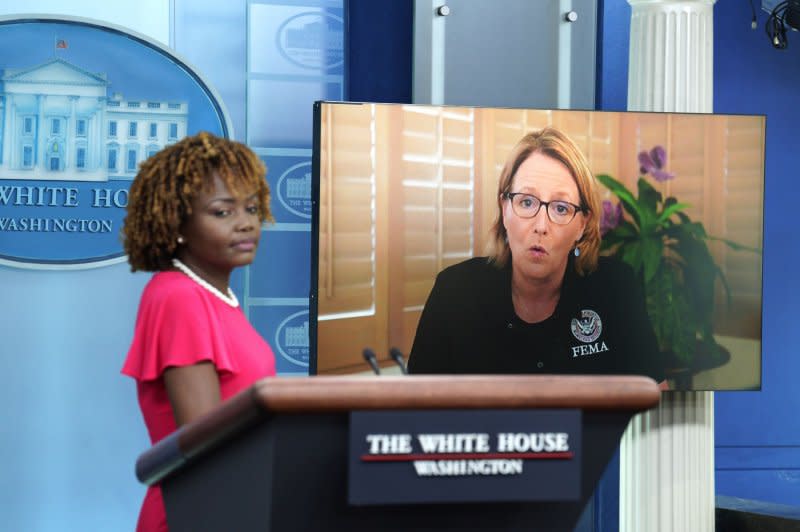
(577, 251)
(180, 239)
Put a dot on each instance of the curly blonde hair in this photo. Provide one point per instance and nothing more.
(553, 143)
(160, 197)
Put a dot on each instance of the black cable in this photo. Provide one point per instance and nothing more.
(776, 26)
(753, 22)
(792, 15)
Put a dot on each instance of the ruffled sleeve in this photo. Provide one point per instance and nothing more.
(178, 324)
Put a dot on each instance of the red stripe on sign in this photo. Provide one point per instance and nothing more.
(465, 456)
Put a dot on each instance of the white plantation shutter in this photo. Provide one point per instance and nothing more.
(684, 139)
(434, 201)
(595, 134)
(510, 125)
(351, 311)
(437, 193)
(347, 217)
(686, 149)
(742, 221)
(718, 163)
(396, 201)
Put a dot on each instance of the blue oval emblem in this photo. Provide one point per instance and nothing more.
(312, 40)
(294, 189)
(291, 338)
(75, 123)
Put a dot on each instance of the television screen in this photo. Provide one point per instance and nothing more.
(401, 192)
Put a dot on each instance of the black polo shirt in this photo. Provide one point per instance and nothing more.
(599, 327)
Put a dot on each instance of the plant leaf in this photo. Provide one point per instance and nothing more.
(649, 197)
(626, 229)
(632, 254)
(611, 239)
(652, 252)
(667, 308)
(734, 245)
(623, 233)
(725, 286)
(699, 272)
(648, 206)
(685, 230)
(684, 217)
(629, 202)
(669, 211)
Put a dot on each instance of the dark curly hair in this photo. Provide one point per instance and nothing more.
(161, 195)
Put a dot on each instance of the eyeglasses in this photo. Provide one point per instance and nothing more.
(528, 205)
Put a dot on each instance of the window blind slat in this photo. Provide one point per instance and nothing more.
(346, 233)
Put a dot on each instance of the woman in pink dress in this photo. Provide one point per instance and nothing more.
(194, 214)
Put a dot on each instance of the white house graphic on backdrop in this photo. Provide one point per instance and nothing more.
(299, 187)
(297, 336)
(57, 122)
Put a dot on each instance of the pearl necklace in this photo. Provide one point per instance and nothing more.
(230, 299)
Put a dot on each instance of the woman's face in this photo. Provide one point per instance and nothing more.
(539, 247)
(221, 233)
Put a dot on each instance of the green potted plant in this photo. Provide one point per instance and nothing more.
(669, 252)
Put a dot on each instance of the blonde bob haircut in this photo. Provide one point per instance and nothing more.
(555, 144)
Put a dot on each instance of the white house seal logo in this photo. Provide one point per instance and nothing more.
(75, 124)
(588, 327)
(294, 189)
(312, 40)
(291, 338)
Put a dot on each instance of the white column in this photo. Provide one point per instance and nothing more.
(42, 131)
(8, 132)
(667, 454)
(100, 132)
(70, 137)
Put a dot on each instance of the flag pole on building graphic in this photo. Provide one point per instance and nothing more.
(59, 44)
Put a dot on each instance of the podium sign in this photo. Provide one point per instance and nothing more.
(457, 456)
(489, 453)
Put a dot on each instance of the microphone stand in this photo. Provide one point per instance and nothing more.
(398, 358)
(372, 360)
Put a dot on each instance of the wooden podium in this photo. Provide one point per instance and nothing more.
(275, 457)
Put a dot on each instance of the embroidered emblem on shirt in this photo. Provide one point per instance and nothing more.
(588, 327)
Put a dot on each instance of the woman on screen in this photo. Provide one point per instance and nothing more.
(194, 214)
(542, 301)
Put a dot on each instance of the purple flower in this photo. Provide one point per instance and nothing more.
(653, 163)
(611, 216)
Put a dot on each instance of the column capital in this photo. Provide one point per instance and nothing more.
(671, 56)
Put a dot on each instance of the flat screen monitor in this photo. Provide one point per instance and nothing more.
(401, 192)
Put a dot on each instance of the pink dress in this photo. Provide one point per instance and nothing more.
(181, 323)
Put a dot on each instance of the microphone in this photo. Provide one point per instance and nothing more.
(397, 356)
(372, 360)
